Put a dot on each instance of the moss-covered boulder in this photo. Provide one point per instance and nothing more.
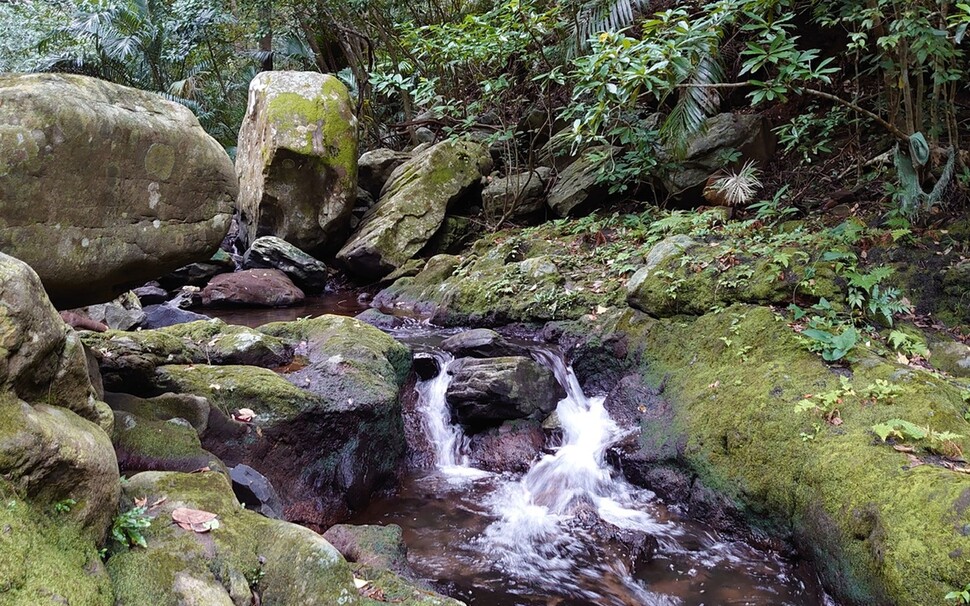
(577, 188)
(297, 160)
(44, 559)
(327, 432)
(882, 526)
(155, 191)
(53, 444)
(246, 555)
(147, 444)
(516, 196)
(128, 359)
(412, 207)
(683, 276)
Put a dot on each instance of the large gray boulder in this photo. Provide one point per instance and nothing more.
(297, 160)
(413, 206)
(577, 187)
(375, 167)
(491, 390)
(270, 252)
(517, 195)
(103, 187)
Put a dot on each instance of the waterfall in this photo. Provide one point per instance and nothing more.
(447, 438)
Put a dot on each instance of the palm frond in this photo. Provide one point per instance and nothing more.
(697, 101)
(597, 16)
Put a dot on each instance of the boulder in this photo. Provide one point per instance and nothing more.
(270, 252)
(327, 432)
(151, 294)
(160, 316)
(259, 287)
(156, 191)
(950, 356)
(705, 152)
(194, 410)
(576, 188)
(297, 160)
(512, 447)
(375, 167)
(488, 391)
(124, 313)
(517, 195)
(371, 546)
(481, 343)
(412, 207)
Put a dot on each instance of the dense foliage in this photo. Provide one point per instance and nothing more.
(535, 77)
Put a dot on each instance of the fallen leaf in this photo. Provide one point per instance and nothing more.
(140, 501)
(359, 583)
(195, 519)
(836, 421)
(714, 385)
(902, 448)
(201, 470)
(158, 502)
(244, 415)
(915, 461)
(601, 310)
(902, 359)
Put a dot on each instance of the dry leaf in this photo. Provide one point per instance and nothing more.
(244, 415)
(158, 502)
(201, 470)
(902, 359)
(902, 448)
(140, 501)
(195, 519)
(915, 461)
(360, 583)
(714, 385)
(836, 421)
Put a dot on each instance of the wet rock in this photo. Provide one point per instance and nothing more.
(426, 366)
(151, 294)
(379, 319)
(576, 187)
(160, 316)
(156, 191)
(297, 160)
(481, 343)
(951, 356)
(81, 321)
(375, 167)
(487, 391)
(256, 492)
(260, 287)
(511, 447)
(198, 274)
(124, 313)
(270, 252)
(412, 207)
(633, 548)
(517, 195)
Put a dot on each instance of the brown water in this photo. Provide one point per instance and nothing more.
(340, 303)
(444, 519)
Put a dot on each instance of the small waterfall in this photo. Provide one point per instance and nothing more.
(447, 438)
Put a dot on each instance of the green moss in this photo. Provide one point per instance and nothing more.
(147, 443)
(46, 560)
(880, 532)
(230, 388)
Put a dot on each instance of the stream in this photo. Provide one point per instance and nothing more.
(562, 533)
(569, 532)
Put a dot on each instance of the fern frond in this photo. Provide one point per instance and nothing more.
(598, 16)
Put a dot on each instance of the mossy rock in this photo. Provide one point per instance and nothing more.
(144, 444)
(157, 192)
(229, 388)
(193, 409)
(412, 207)
(128, 359)
(879, 530)
(49, 454)
(350, 362)
(297, 160)
(683, 276)
(247, 553)
(45, 559)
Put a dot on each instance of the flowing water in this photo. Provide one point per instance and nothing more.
(563, 533)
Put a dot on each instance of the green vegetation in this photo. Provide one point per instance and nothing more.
(128, 526)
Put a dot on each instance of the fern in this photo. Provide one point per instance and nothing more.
(595, 16)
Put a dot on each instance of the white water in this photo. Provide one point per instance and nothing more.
(531, 537)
